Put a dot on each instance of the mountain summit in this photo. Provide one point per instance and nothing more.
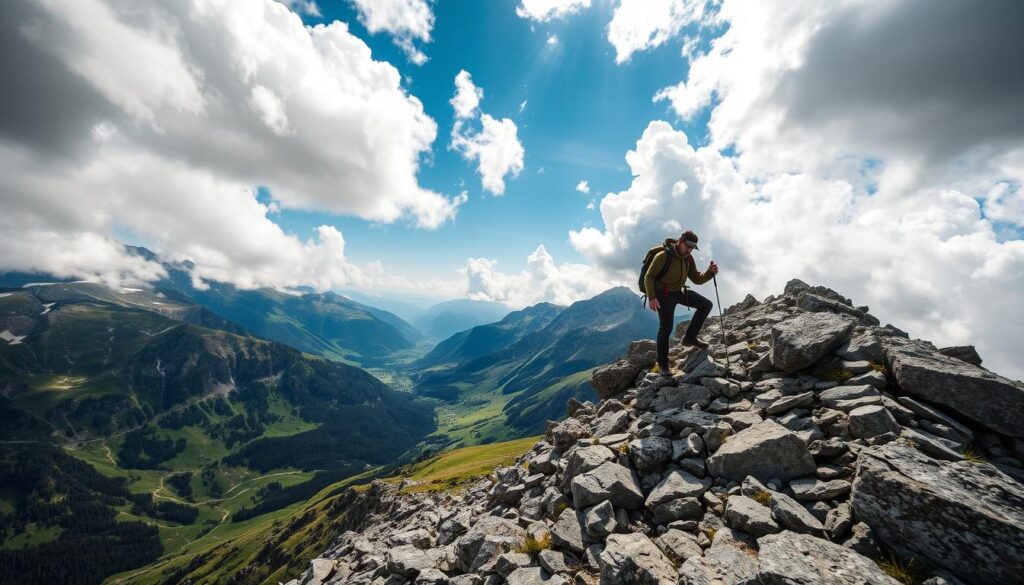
(815, 447)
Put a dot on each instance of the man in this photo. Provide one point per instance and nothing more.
(670, 290)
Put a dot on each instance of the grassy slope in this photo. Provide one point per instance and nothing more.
(300, 532)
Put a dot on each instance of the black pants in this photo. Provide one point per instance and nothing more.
(667, 302)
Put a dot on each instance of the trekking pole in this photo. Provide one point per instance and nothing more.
(721, 318)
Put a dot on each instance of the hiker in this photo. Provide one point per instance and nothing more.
(665, 293)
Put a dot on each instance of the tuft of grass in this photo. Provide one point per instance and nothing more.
(532, 546)
(835, 375)
(559, 508)
(762, 497)
(595, 441)
(908, 573)
(710, 533)
(880, 368)
(624, 448)
(973, 456)
(751, 345)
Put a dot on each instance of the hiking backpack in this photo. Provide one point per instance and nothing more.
(647, 264)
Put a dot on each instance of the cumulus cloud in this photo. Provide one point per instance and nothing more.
(912, 84)
(544, 10)
(162, 118)
(495, 146)
(406, 21)
(583, 186)
(638, 25)
(467, 95)
(541, 280)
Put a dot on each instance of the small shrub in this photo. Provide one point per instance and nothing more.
(880, 368)
(624, 448)
(532, 546)
(710, 533)
(751, 345)
(908, 573)
(595, 441)
(973, 456)
(762, 497)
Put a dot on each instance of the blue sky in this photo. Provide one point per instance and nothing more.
(583, 113)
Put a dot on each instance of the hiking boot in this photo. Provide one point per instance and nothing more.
(664, 370)
(694, 343)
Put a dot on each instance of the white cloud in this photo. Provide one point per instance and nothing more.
(583, 186)
(495, 146)
(163, 119)
(638, 25)
(541, 280)
(405, 20)
(467, 95)
(522, 106)
(543, 10)
(552, 40)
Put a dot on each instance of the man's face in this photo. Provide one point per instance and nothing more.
(683, 248)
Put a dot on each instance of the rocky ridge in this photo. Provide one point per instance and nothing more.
(810, 446)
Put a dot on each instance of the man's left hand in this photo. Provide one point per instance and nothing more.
(713, 268)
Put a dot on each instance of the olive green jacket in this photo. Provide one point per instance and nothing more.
(675, 278)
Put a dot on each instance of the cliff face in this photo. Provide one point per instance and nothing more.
(815, 446)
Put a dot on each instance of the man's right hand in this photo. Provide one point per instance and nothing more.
(653, 304)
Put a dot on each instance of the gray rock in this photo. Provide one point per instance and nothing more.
(566, 433)
(743, 513)
(569, 531)
(964, 517)
(765, 450)
(555, 561)
(684, 395)
(787, 403)
(839, 521)
(862, 540)
(532, 576)
(986, 398)
(731, 564)
(678, 545)
(632, 559)
(610, 423)
(677, 484)
(650, 453)
(600, 520)
(407, 560)
(872, 378)
(321, 569)
(698, 365)
(834, 396)
(871, 421)
(964, 353)
(612, 379)
(583, 459)
(678, 509)
(815, 489)
(933, 414)
(863, 345)
(431, 576)
(468, 546)
(610, 481)
(803, 339)
(788, 558)
(511, 561)
(791, 515)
